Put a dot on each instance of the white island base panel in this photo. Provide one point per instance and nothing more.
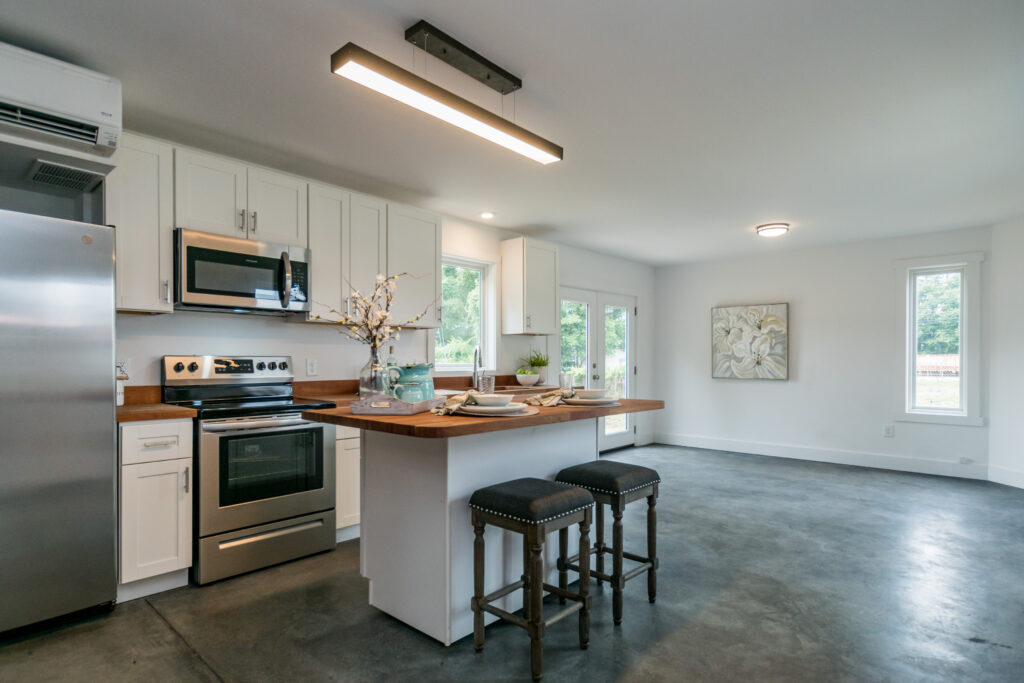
(417, 538)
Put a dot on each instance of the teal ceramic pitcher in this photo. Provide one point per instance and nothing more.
(412, 382)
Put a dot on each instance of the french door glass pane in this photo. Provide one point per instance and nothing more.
(937, 328)
(575, 318)
(616, 355)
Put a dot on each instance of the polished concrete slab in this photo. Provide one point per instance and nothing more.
(771, 570)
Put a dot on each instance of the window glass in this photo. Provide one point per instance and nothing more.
(461, 328)
(574, 341)
(937, 340)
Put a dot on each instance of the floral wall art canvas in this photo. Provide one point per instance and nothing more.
(750, 342)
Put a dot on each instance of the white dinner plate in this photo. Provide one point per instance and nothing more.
(591, 401)
(493, 410)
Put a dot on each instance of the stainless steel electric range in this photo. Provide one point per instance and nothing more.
(265, 484)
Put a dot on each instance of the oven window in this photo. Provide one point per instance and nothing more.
(229, 274)
(268, 465)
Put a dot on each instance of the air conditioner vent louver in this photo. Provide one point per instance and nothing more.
(47, 123)
(66, 177)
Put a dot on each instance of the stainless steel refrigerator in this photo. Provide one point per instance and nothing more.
(58, 447)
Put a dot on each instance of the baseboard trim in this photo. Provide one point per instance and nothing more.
(902, 463)
(347, 533)
(1004, 475)
(151, 586)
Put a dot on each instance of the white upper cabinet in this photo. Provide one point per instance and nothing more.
(529, 287)
(277, 207)
(367, 240)
(328, 232)
(224, 196)
(414, 248)
(210, 193)
(138, 200)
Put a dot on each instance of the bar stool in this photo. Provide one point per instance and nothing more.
(615, 484)
(533, 508)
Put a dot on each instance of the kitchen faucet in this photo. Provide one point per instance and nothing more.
(476, 368)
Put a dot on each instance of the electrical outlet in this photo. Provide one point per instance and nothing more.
(889, 431)
(311, 367)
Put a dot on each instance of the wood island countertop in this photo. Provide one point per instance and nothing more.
(430, 426)
(137, 412)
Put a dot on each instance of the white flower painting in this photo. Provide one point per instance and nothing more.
(750, 342)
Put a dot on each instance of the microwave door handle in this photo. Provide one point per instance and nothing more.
(286, 269)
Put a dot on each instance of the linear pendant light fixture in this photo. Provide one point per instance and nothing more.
(366, 68)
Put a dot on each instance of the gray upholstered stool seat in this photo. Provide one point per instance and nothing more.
(614, 484)
(533, 508)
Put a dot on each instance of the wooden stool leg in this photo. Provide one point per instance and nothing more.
(584, 589)
(526, 578)
(563, 556)
(536, 597)
(617, 582)
(478, 585)
(600, 541)
(652, 546)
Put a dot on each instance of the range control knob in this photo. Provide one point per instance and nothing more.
(261, 366)
(273, 365)
(179, 366)
(193, 366)
(283, 366)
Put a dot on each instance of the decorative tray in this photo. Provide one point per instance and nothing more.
(383, 404)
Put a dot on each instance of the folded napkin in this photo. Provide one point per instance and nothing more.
(550, 398)
(454, 402)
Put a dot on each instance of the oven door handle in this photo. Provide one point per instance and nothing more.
(245, 425)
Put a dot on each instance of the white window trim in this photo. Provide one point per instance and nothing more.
(488, 322)
(970, 342)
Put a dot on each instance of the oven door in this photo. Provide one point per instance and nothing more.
(261, 469)
(213, 270)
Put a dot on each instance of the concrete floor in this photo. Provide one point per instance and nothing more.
(771, 570)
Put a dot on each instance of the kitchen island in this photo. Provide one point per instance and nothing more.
(418, 472)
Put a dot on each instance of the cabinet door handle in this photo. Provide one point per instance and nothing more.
(529, 321)
(159, 444)
(186, 478)
(167, 291)
(439, 313)
(254, 221)
(348, 305)
(242, 222)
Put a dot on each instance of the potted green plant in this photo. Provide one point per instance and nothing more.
(532, 370)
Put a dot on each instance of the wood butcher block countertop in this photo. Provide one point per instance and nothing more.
(430, 426)
(138, 412)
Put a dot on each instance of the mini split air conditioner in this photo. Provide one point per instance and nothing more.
(59, 123)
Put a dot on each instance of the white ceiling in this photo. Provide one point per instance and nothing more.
(684, 122)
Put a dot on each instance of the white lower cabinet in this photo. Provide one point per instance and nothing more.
(155, 516)
(348, 477)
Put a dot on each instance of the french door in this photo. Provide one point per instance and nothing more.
(597, 349)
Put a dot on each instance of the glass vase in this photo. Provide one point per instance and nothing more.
(372, 378)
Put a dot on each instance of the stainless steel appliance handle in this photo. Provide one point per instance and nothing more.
(286, 293)
(257, 423)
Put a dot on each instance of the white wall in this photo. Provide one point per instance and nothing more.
(846, 358)
(1006, 430)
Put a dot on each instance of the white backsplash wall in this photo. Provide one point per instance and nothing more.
(143, 339)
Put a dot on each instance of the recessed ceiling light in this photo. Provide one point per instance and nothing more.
(487, 215)
(772, 229)
(367, 69)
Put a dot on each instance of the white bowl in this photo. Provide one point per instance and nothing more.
(492, 399)
(590, 393)
(527, 380)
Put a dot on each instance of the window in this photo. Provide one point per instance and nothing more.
(465, 315)
(942, 339)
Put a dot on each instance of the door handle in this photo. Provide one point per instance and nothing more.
(186, 478)
(286, 270)
(595, 376)
(254, 221)
(242, 222)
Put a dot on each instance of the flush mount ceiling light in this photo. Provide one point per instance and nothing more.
(366, 68)
(772, 229)
(487, 215)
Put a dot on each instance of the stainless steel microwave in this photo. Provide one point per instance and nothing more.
(214, 272)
